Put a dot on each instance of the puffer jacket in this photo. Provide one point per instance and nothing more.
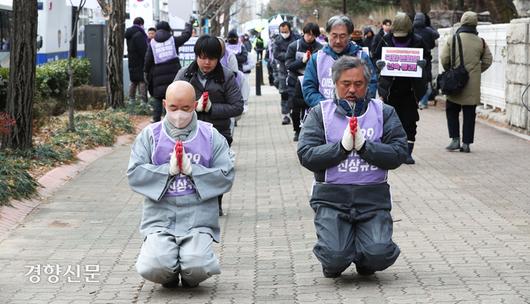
(159, 76)
(223, 92)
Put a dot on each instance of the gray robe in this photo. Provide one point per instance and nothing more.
(180, 215)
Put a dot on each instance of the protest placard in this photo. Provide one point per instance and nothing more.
(186, 53)
(401, 62)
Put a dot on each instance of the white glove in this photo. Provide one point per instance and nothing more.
(348, 142)
(186, 164)
(173, 164)
(347, 139)
(201, 105)
(306, 57)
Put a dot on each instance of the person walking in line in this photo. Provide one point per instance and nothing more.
(429, 35)
(296, 58)
(218, 96)
(477, 59)
(162, 62)
(404, 93)
(136, 49)
(317, 85)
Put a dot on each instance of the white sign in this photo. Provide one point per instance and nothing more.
(93, 4)
(186, 53)
(181, 9)
(144, 9)
(402, 62)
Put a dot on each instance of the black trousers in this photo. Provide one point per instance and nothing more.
(407, 111)
(452, 112)
(297, 105)
(158, 109)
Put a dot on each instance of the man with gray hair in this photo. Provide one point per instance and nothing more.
(350, 142)
(317, 84)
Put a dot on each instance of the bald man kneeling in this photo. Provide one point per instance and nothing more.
(180, 165)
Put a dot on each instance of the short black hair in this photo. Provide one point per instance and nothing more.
(387, 22)
(209, 47)
(151, 29)
(311, 28)
(286, 23)
(138, 21)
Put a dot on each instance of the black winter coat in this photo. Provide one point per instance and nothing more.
(160, 76)
(224, 94)
(136, 49)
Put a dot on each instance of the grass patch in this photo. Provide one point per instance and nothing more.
(54, 146)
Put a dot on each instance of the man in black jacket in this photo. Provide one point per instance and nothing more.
(296, 58)
(136, 48)
(386, 27)
(280, 49)
(404, 93)
(162, 62)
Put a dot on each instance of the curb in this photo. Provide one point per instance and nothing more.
(12, 216)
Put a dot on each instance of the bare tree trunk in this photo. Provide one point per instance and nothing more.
(502, 11)
(425, 6)
(408, 7)
(115, 31)
(70, 89)
(21, 85)
(226, 20)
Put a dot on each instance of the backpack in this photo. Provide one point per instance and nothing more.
(454, 80)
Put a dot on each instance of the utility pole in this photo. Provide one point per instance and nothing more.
(344, 7)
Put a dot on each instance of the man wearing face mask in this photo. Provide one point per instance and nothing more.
(280, 50)
(298, 53)
(180, 186)
(404, 93)
(350, 149)
(206, 74)
(317, 85)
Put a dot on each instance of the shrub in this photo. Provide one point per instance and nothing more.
(15, 181)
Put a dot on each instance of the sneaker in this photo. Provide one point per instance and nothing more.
(454, 145)
(465, 148)
(364, 271)
(422, 106)
(286, 120)
(296, 135)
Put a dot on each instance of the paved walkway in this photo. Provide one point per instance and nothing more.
(462, 222)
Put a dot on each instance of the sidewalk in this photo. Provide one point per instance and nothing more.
(462, 222)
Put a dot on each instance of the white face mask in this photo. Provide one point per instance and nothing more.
(179, 118)
(285, 35)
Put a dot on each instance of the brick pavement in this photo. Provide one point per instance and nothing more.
(462, 222)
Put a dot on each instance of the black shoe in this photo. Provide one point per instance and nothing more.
(364, 271)
(172, 284)
(330, 275)
(286, 120)
(454, 145)
(465, 148)
(410, 160)
(187, 285)
(296, 135)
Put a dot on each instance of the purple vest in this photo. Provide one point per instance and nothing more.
(163, 51)
(324, 64)
(354, 170)
(234, 48)
(325, 83)
(198, 149)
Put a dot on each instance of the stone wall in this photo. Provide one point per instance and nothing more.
(518, 73)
